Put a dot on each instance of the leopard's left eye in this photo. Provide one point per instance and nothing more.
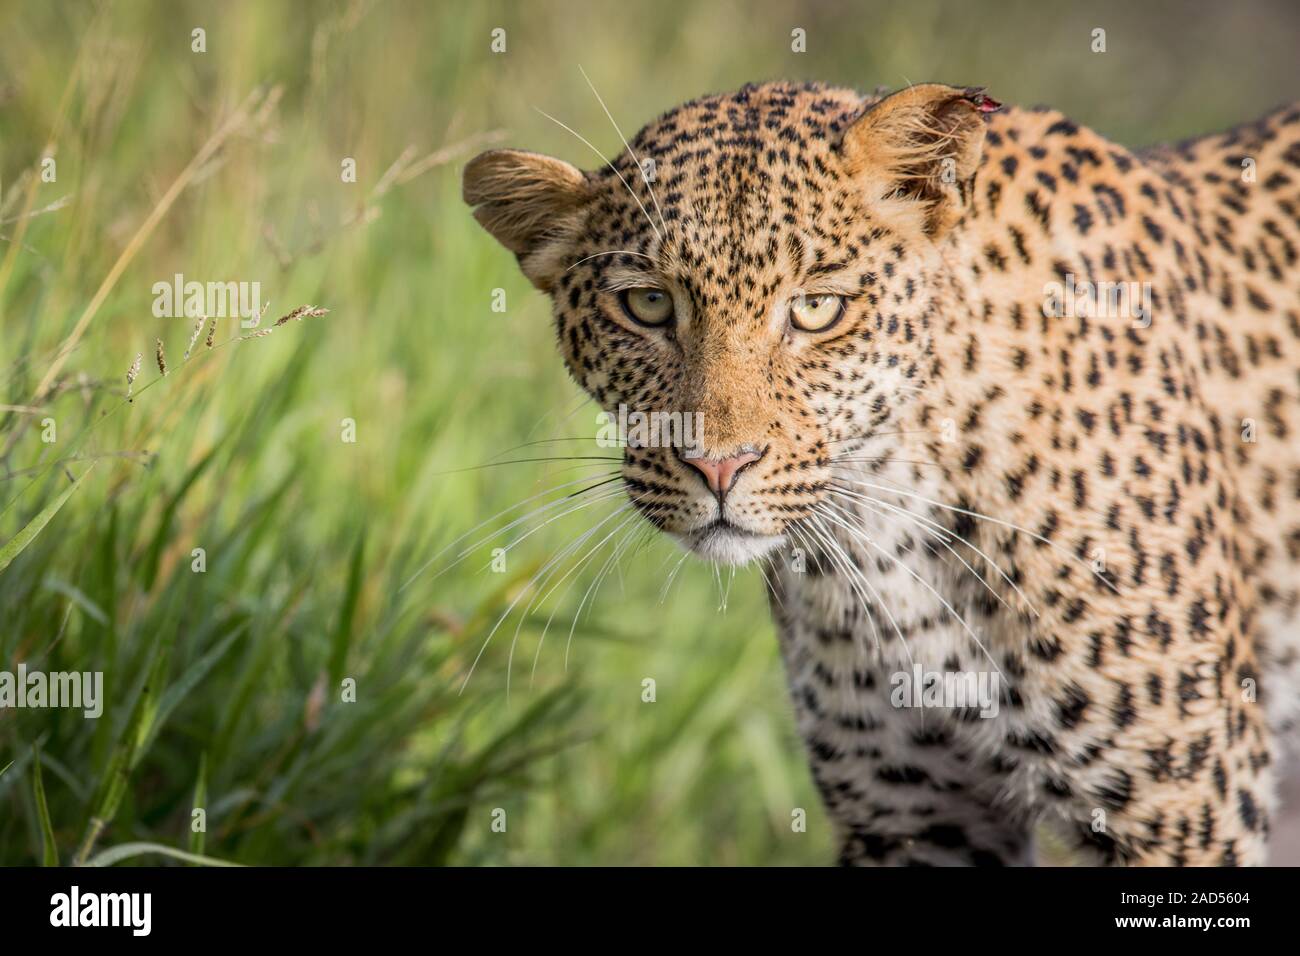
(816, 313)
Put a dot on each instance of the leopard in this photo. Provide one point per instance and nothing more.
(1003, 411)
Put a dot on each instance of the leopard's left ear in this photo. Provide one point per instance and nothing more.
(917, 150)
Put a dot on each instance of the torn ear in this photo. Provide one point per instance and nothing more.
(526, 201)
(919, 149)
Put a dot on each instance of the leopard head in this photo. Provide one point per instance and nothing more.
(764, 268)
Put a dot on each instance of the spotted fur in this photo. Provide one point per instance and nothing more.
(953, 476)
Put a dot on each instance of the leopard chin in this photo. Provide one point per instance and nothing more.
(728, 544)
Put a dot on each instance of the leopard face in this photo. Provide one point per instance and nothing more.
(759, 261)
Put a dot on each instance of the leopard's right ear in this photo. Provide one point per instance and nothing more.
(529, 203)
(918, 151)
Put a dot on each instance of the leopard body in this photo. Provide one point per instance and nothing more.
(979, 475)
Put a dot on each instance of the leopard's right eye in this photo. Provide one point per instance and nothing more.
(816, 313)
(652, 307)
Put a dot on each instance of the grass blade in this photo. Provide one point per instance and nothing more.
(199, 803)
(15, 545)
(117, 776)
(49, 850)
(164, 530)
(187, 682)
(127, 851)
(347, 614)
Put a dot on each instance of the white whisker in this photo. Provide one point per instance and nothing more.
(608, 496)
(591, 590)
(866, 539)
(940, 529)
(859, 583)
(663, 594)
(628, 146)
(615, 170)
(563, 553)
(539, 601)
(610, 252)
(938, 536)
(482, 524)
(998, 521)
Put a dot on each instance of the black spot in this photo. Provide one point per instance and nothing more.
(1124, 712)
(946, 835)
(1071, 707)
(1249, 812)
(1057, 787)
(902, 775)
(1082, 218)
(1118, 792)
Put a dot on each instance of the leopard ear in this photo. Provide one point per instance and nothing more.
(920, 148)
(526, 201)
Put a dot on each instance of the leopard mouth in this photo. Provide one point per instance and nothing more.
(728, 543)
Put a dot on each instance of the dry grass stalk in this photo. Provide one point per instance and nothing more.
(406, 167)
(272, 238)
(300, 313)
(234, 122)
(52, 207)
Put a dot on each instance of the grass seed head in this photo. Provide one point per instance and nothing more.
(132, 372)
(303, 311)
(194, 336)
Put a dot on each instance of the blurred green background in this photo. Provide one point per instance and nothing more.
(223, 686)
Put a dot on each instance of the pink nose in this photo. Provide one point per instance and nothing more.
(720, 473)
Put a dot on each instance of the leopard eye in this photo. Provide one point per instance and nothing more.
(816, 313)
(647, 306)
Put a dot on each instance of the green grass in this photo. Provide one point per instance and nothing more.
(224, 686)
